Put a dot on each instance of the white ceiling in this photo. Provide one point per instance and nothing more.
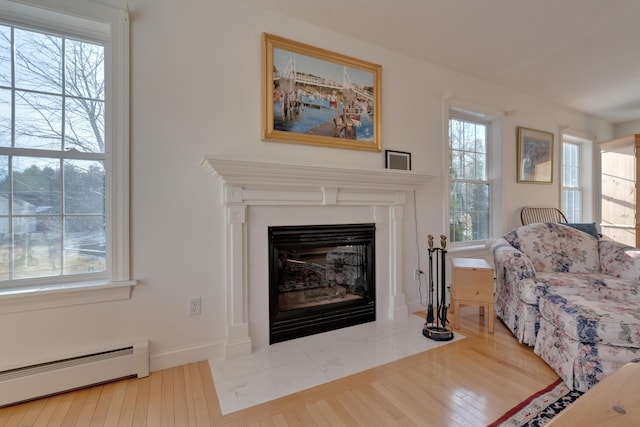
(580, 54)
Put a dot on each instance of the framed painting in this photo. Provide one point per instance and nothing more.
(316, 97)
(535, 156)
(397, 160)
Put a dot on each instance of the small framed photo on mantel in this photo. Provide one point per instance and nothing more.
(400, 160)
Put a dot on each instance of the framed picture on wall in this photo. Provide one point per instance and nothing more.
(397, 160)
(535, 156)
(316, 97)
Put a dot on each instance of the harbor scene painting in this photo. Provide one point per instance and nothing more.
(313, 96)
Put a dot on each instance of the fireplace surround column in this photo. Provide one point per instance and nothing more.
(238, 340)
(398, 308)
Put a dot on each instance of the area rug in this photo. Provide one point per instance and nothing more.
(539, 408)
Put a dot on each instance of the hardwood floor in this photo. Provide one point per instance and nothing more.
(467, 383)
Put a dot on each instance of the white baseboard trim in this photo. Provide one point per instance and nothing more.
(184, 355)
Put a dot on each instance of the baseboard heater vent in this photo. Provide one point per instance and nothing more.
(44, 379)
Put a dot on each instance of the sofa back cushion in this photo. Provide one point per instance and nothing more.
(619, 260)
(556, 248)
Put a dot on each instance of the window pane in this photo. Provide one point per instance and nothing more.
(84, 125)
(469, 211)
(38, 61)
(572, 205)
(5, 55)
(84, 67)
(36, 186)
(38, 121)
(6, 253)
(455, 129)
(469, 166)
(84, 187)
(5, 118)
(456, 164)
(84, 84)
(36, 247)
(4, 187)
(84, 249)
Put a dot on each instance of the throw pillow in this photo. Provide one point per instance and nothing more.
(587, 227)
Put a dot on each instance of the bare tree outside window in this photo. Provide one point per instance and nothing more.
(52, 155)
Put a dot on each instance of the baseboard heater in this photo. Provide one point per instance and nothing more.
(56, 376)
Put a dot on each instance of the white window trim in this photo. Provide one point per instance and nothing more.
(112, 23)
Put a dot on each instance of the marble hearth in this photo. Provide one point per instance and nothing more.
(260, 194)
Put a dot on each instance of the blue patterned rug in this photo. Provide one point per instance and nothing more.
(540, 408)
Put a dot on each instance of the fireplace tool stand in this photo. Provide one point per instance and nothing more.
(435, 327)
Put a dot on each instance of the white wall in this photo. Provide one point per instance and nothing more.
(627, 128)
(195, 91)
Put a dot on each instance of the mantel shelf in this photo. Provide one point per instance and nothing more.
(237, 171)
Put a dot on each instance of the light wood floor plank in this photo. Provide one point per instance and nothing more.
(48, 410)
(467, 383)
(114, 410)
(77, 405)
(129, 403)
(31, 413)
(343, 416)
(141, 408)
(89, 406)
(10, 416)
(155, 400)
(57, 417)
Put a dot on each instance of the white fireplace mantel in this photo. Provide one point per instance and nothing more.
(256, 172)
(249, 182)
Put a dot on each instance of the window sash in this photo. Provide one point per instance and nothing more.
(571, 183)
(469, 186)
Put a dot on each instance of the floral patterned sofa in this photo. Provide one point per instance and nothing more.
(574, 297)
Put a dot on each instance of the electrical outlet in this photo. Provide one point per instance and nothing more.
(195, 306)
(416, 274)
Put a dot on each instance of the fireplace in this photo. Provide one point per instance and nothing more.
(258, 194)
(321, 278)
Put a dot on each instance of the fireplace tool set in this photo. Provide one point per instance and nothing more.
(435, 327)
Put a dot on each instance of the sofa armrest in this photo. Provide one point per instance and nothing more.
(511, 259)
(619, 260)
(512, 269)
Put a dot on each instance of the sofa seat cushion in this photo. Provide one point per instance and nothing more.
(593, 321)
(580, 365)
(588, 285)
(556, 248)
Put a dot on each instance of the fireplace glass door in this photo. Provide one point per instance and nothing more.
(321, 278)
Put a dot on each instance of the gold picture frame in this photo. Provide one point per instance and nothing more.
(535, 156)
(316, 97)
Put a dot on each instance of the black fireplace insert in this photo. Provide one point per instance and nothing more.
(321, 278)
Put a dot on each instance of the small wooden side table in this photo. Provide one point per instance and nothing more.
(471, 284)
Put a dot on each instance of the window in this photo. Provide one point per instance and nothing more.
(577, 179)
(571, 191)
(469, 187)
(63, 145)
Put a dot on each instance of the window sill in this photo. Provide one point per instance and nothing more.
(13, 300)
(475, 247)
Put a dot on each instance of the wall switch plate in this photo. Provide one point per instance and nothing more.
(195, 306)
